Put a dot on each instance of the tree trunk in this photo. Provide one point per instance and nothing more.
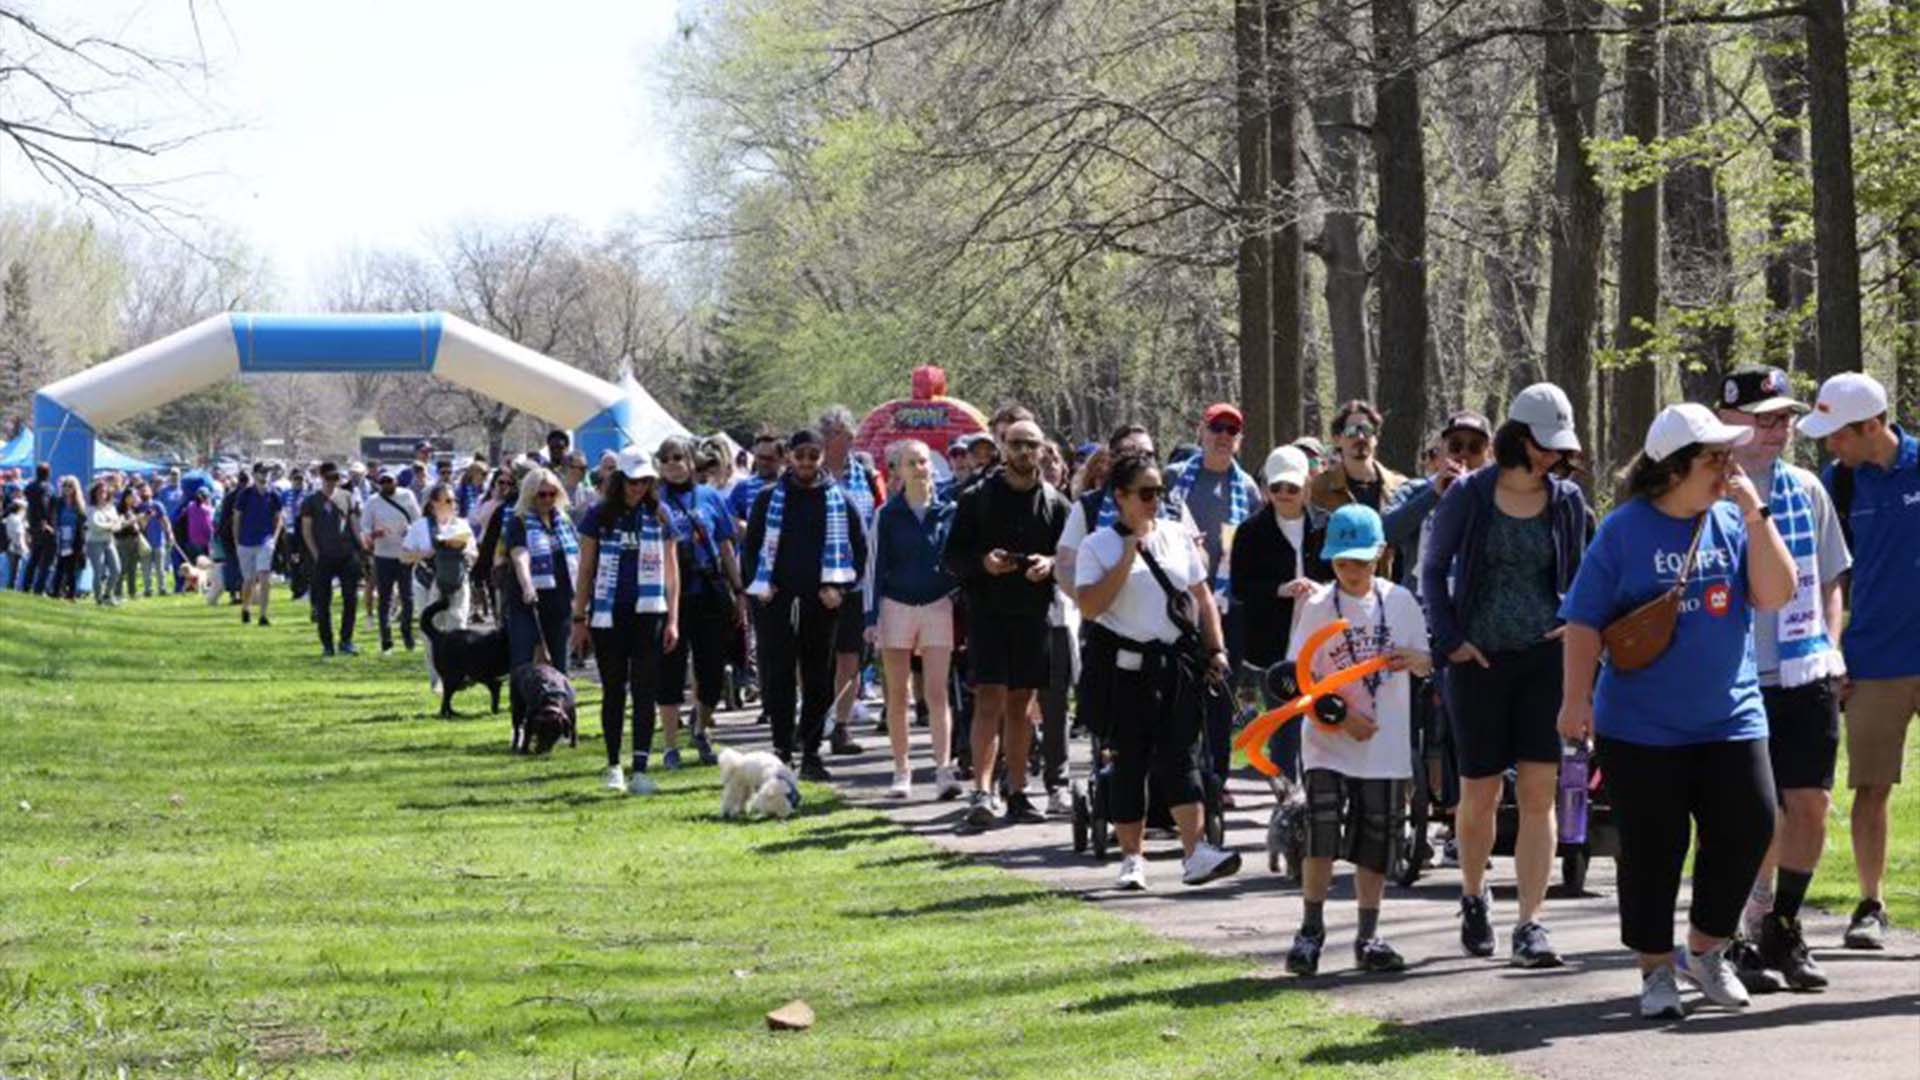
(1401, 221)
(1572, 88)
(1337, 128)
(1699, 270)
(1290, 389)
(1637, 387)
(1789, 273)
(1255, 277)
(1835, 237)
(1906, 349)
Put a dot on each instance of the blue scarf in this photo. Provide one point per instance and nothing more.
(859, 487)
(1238, 510)
(836, 554)
(540, 544)
(652, 568)
(1806, 652)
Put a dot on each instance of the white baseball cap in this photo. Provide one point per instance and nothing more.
(1680, 426)
(1544, 408)
(1847, 398)
(1286, 465)
(634, 463)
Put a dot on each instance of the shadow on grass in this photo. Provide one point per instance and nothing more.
(833, 837)
(562, 798)
(942, 859)
(1240, 990)
(963, 905)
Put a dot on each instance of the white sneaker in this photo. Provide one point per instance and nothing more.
(945, 786)
(1133, 873)
(641, 784)
(1207, 863)
(1059, 802)
(615, 779)
(902, 786)
(1712, 975)
(1660, 996)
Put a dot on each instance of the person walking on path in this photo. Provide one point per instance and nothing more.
(157, 528)
(102, 522)
(293, 553)
(70, 526)
(631, 609)
(1683, 735)
(1005, 531)
(544, 552)
(1276, 566)
(196, 536)
(910, 611)
(439, 552)
(1800, 668)
(17, 545)
(388, 517)
(256, 526)
(1147, 706)
(1875, 483)
(1505, 546)
(702, 530)
(1462, 447)
(330, 528)
(43, 550)
(127, 540)
(805, 554)
(865, 492)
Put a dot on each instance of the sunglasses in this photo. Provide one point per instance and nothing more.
(1148, 493)
(637, 479)
(1716, 458)
(547, 496)
(1023, 444)
(1224, 427)
(1283, 489)
(1359, 429)
(1460, 447)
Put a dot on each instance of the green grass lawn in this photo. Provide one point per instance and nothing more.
(225, 857)
(1835, 887)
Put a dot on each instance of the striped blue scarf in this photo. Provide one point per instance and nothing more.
(651, 563)
(540, 544)
(859, 488)
(1806, 652)
(1238, 510)
(836, 554)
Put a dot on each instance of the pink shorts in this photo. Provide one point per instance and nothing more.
(923, 626)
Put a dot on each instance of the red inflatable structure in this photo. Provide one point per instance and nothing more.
(929, 415)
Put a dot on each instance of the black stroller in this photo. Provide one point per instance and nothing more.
(1093, 829)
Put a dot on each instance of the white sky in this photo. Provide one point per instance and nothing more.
(369, 123)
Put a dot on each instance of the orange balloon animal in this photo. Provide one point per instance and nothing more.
(1253, 738)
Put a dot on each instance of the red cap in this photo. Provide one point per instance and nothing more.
(1221, 409)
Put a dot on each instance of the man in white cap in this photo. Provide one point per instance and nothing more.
(1797, 653)
(1875, 483)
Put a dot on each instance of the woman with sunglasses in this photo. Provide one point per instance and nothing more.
(439, 552)
(1684, 737)
(490, 570)
(1505, 545)
(1131, 673)
(631, 611)
(543, 551)
(703, 533)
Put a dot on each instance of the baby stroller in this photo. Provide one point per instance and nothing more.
(1093, 829)
(1583, 811)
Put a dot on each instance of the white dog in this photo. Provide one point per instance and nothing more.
(202, 577)
(756, 783)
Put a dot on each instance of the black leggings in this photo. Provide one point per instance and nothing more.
(628, 653)
(1153, 737)
(1660, 796)
(796, 635)
(389, 574)
(706, 637)
(547, 621)
(66, 576)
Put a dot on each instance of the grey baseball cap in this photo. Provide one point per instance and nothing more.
(1544, 408)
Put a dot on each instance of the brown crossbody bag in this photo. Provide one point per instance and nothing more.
(1637, 638)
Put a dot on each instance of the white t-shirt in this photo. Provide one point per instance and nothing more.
(392, 515)
(1075, 530)
(1140, 611)
(424, 531)
(1295, 530)
(1388, 755)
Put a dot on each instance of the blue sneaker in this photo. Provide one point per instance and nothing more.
(672, 759)
(704, 747)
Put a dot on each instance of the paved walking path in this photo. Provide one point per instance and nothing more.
(1579, 1021)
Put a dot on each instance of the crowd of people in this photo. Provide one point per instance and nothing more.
(1692, 637)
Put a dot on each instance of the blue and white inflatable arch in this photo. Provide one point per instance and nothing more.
(602, 416)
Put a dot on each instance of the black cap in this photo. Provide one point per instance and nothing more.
(1467, 420)
(1758, 389)
(806, 436)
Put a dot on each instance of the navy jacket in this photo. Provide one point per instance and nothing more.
(907, 564)
(1452, 554)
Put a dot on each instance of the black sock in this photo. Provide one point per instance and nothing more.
(1369, 923)
(639, 763)
(1314, 924)
(1790, 892)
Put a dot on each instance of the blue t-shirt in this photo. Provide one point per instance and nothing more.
(703, 507)
(1704, 687)
(606, 528)
(255, 509)
(156, 519)
(1882, 639)
(740, 499)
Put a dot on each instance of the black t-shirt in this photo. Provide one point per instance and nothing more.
(332, 527)
(993, 515)
(1366, 492)
(39, 503)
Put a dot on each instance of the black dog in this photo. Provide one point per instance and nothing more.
(544, 709)
(464, 658)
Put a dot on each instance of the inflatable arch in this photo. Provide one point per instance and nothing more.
(66, 413)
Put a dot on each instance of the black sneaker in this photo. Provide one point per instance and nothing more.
(1868, 930)
(979, 815)
(1476, 928)
(1375, 956)
(245, 616)
(843, 744)
(814, 770)
(1751, 970)
(1784, 949)
(264, 623)
(326, 652)
(1304, 957)
(1531, 949)
(349, 650)
(1021, 811)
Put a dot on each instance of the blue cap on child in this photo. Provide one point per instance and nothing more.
(1354, 532)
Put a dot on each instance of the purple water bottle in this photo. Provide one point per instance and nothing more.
(1573, 794)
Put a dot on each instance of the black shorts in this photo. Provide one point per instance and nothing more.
(1013, 651)
(1506, 713)
(1803, 734)
(1352, 819)
(850, 630)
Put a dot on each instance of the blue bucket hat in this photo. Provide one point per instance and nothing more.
(1354, 532)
